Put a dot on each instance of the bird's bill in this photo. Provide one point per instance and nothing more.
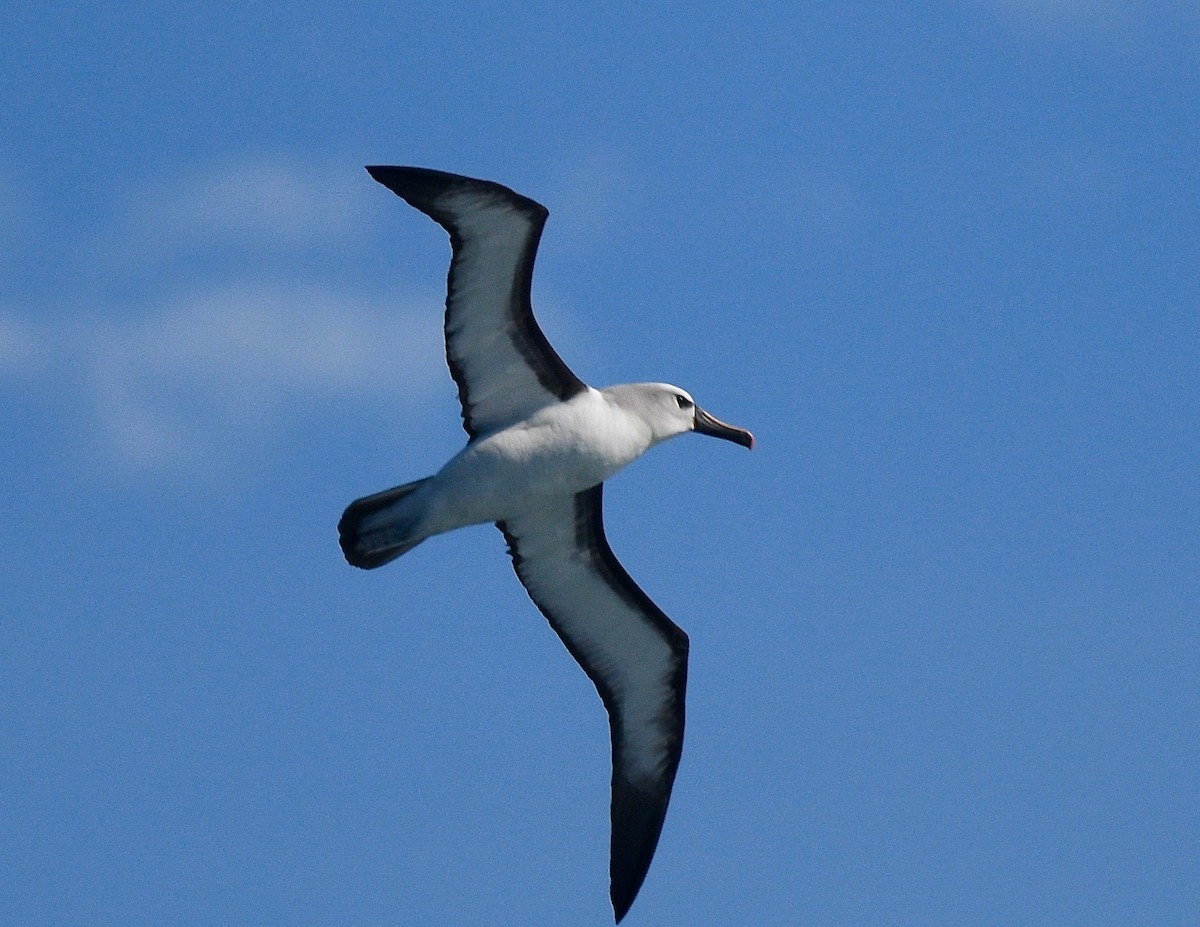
(707, 425)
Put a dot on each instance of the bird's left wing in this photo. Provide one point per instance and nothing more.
(634, 654)
(504, 367)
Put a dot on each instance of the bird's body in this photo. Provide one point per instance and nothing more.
(555, 453)
(541, 445)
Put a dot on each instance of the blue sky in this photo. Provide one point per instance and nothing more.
(943, 262)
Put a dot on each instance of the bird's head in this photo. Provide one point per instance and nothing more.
(670, 411)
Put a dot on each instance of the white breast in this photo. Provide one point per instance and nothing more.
(561, 450)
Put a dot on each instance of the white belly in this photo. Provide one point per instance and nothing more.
(561, 450)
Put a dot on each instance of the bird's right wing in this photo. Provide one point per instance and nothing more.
(635, 655)
(504, 366)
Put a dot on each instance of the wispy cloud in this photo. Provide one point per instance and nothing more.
(211, 369)
(213, 357)
(279, 202)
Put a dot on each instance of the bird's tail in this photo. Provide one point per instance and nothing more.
(376, 530)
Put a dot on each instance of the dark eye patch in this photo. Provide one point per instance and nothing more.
(683, 401)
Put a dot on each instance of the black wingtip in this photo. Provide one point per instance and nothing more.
(622, 900)
(425, 178)
(637, 820)
(625, 887)
(380, 172)
(421, 187)
(394, 177)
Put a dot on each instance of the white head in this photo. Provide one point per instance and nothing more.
(670, 411)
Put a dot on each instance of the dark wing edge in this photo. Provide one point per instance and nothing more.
(637, 815)
(425, 189)
(637, 812)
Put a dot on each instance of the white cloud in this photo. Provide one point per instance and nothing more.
(276, 202)
(213, 355)
(211, 370)
(283, 338)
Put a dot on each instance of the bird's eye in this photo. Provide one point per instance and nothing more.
(684, 402)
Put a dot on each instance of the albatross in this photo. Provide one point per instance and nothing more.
(541, 443)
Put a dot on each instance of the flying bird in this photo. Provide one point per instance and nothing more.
(540, 445)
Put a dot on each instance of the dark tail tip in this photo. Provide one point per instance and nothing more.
(368, 560)
(355, 543)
